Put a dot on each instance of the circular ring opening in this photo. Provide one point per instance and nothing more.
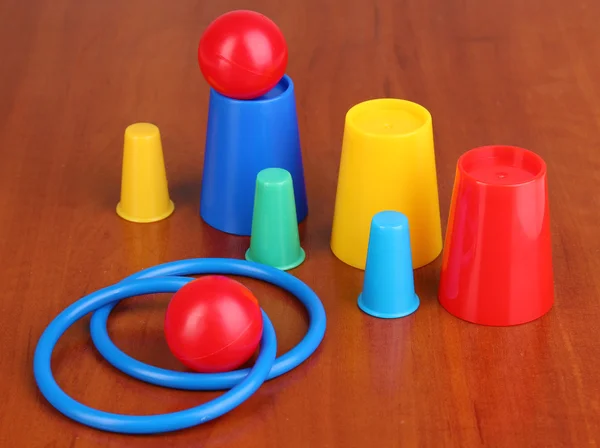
(282, 89)
(502, 165)
(388, 117)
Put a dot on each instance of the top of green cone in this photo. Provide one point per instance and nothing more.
(274, 240)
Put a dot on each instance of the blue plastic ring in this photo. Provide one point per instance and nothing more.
(141, 424)
(214, 381)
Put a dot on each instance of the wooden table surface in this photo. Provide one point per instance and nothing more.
(74, 74)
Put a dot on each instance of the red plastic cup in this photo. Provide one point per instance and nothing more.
(497, 259)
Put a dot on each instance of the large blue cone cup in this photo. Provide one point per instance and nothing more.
(244, 137)
(388, 289)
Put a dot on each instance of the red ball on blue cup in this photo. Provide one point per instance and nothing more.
(242, 54)
(213, 324)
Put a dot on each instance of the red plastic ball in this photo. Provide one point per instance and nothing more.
(243, 54)
(213, 324)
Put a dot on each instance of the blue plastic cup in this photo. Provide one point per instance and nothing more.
(389, 289)
(244, 137)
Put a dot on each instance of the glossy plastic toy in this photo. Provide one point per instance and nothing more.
(242, 139)
(387, 164)
(144, 188)
(213, 324)
(388, 288)
(167, 278)
(275, 239)
(242, 54)
(497, 262)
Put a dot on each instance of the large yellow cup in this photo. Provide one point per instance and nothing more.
(387, 163)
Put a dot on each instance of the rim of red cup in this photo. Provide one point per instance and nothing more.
(520, 157)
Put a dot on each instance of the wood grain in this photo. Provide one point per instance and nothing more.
(74, 74)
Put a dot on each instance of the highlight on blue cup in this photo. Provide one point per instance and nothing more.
(244, 137)
(388, 288)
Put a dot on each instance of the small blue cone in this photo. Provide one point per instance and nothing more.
(389, 288)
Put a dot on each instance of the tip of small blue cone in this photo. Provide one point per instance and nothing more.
(390, 219)
(410, 309)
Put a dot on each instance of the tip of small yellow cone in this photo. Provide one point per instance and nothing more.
(142, 130)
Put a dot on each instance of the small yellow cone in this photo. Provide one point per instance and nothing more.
(144, 188)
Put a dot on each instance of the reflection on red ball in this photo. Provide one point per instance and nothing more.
(213, 324)
(242, 54)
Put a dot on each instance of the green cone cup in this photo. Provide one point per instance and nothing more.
(274, 240)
